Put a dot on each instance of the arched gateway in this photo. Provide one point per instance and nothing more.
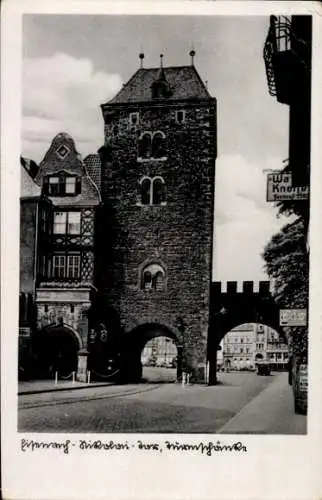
(235, 306)
(133, 344)
(56, 349)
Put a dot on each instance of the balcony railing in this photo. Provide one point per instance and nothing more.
(278, 40)
(287, 56)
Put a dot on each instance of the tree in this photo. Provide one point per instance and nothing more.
(287, 263)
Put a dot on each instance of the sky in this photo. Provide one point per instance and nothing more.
(74, 63)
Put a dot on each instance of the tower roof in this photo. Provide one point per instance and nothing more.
(184, 82)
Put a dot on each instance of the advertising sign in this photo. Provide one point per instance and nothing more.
(303, 378)
(293, 317)
(280, 188)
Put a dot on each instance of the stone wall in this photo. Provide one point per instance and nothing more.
(67, 307)
(177, 235)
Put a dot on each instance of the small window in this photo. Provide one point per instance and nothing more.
(152, 191)
(54, 186)
(60, 185)
(158, 150)
(59, 262)
(62, 151)
(72, 308)
(158, 191)
(66, 266)
(73, 264)
(145, 145)
(153, 278)
(73, 224)
(145, 188)
(60, 222)
(70, 185)
(134, 119)
(180, 116)
(67, 223)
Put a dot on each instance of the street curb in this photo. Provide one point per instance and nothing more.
(88, 386)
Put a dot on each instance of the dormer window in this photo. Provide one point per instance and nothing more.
(62, 185)
(70, 185)
(54, 186)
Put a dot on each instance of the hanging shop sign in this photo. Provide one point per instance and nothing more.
(280, 188)
(293, 317)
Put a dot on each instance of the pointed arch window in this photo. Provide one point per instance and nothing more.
(153, 278)
(152, 191)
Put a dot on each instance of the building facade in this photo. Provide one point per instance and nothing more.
(35, 221)
(129, 232)
(158, 204)
(246, 345)
(66, 273)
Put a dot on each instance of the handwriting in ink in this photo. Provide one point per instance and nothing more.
(30, 444)
(207, 448)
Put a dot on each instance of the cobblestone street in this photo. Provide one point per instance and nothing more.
(167, 408)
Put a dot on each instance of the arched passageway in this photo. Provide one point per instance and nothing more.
(151, 353)
(159, 359)
(56, 350)
(247, 345)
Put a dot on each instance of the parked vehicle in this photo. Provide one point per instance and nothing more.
(298, 379)
(263, 368)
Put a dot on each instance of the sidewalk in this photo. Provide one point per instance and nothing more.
(39, 386)
(272, 411)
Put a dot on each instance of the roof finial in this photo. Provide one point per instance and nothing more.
(141, 56)
(161, 60)
(192, 54)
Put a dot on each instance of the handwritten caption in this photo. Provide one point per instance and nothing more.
(205, 448)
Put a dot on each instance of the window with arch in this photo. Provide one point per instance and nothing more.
(158, 150)
(152, 191)
(153, 277)
(152, 146)
(145, 145)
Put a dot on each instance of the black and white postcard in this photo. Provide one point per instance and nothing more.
(161, 276)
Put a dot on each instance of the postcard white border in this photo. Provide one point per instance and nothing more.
(275, 466)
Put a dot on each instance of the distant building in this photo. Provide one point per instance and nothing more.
(239, 348)
(248, 344)
(160, 351)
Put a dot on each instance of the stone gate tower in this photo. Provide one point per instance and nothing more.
(155, 263)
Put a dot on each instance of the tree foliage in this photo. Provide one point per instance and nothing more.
(287, 263)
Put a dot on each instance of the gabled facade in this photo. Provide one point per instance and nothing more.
(158, 196)
(67, 267)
